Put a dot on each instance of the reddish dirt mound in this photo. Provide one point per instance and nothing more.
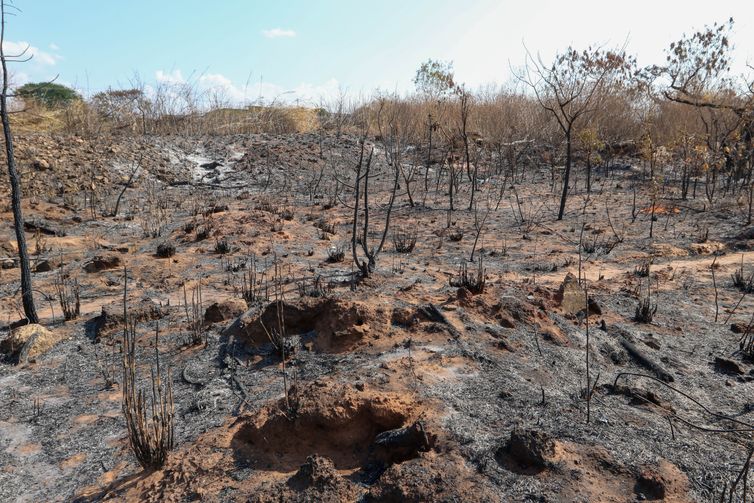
(590, 472)
(316, 480)
(332, 421)
(513, 311)
(338, 324)
(431, 478)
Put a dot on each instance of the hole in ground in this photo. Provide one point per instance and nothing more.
(340, 426)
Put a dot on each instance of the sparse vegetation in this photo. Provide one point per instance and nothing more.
(68, 291)
(474, 281)
(743, 281)
(222, 246)
(149, 423)
(165, 249)
(646, 309)
(195, 314)
(642, 270)
(404, 241)
(545, 240)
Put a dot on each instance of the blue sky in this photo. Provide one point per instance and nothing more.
(310, 48)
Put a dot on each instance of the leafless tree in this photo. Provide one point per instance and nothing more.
(570, 88)
(697, 74)
(464, 112)
(361, 193)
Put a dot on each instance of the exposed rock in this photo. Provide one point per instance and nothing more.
(43, 226)
(706, 248)
(41, 164)
(111, 316)
(48, 265)
(725, 366)
(27, 342)
(738, 328)
(102, 263)
(570, 297)
(395, 446)
(225, 310)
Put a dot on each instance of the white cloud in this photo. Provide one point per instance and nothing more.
(279, 33)
(216, 88)
(171, 77)
(222, 88)
(19, 78)
(304, 93)
(54, 46)
(38, 56)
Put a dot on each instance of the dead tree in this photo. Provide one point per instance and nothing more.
(479, 222)
(393, 125)
(569, 89)
(464, 100)
(432, 126)
(127, 185)
(697, 74)
(363, 172)
(15, 184)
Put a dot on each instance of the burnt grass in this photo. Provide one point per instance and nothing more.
(472, 366)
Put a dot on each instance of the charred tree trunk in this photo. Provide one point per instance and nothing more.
(15, 187)
(429, 157)
(589, 173)
(566, 175)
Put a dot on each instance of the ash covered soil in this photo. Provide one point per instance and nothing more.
(408, 385)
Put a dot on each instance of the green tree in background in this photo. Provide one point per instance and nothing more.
(48, 94)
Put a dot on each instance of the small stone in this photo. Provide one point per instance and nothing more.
(102, 263)
(41, 164)
(738, 328)
(531, 448)
(729, 367)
